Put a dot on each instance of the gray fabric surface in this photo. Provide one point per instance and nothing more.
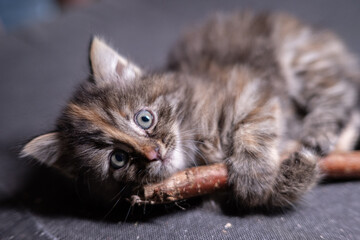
(39, 67)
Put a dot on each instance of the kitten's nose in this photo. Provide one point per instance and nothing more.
(152, 154)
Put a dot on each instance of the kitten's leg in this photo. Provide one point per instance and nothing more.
(320, 74)
(254, 161)
(256, 174)
(329, 111)
(348, 139)
(321, 80)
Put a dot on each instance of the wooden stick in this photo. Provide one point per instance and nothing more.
(203, 180)
(341, 165)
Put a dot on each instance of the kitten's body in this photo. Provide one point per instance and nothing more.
(244, 89)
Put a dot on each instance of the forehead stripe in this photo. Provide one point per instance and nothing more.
(94, 117)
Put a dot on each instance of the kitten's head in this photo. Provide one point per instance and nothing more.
(121, 125)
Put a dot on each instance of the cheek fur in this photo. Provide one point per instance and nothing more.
(178, 162)
(127, 174)
(95, 159)
(178, 159)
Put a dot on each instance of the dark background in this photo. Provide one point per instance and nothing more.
(43, 58)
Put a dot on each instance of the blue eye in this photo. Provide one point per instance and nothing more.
(118, 159)
(144, 119)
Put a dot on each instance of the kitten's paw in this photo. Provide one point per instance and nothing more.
(298, 174)
(251, 186)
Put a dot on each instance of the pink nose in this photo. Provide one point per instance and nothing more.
(152, 154)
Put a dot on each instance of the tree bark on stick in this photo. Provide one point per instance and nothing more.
(203, 180)
(341, 165)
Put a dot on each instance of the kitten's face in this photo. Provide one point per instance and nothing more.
(130, 133)
(120, 125)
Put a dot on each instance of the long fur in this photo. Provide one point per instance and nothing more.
(246, 89)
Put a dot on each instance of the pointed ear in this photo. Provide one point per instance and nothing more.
(44, 148)
(108, 66)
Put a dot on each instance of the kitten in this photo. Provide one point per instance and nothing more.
(263, 93)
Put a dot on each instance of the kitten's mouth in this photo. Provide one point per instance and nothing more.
(163, 159)
(170, 162)
(156, 152)
(162, 162)
(168, 157)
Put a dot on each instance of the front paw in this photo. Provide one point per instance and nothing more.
(301, 169)
(297, 175)
(251, 186)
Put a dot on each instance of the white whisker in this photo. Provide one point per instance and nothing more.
(107, 214)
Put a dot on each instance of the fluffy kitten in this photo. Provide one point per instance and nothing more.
(248, 90)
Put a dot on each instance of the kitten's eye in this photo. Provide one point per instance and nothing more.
(118, 159)
(144, 119)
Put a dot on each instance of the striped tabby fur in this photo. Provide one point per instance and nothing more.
(245, 89)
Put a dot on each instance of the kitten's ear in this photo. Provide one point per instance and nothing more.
(108, 66)
(44, 148)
